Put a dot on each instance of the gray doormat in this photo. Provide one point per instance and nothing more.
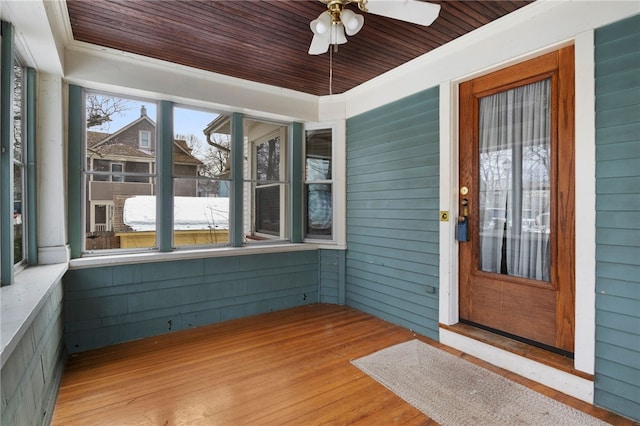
(453, 391)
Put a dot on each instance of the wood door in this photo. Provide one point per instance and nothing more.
(517, 170)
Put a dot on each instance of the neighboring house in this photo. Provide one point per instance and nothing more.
(123, 164)
(220, 126)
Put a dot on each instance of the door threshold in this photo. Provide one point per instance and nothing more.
(516, 347)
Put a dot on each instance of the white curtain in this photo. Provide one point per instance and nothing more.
(514, 181)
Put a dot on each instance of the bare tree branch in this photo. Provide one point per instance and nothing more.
(100, 109)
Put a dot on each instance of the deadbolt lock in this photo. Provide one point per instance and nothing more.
(464, 190)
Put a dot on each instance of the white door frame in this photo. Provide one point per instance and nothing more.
(585, 235)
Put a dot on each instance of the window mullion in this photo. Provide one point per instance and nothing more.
(31, 190)
(237, 181)
(296, 179)
(75, 167)
(164, 191)
(6, 162)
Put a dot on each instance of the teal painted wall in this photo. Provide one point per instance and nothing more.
(31, 375)
(113, 304)
(331, 264)
(392, 212)
(617, 368)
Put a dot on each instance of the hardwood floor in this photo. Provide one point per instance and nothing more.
(287, 367)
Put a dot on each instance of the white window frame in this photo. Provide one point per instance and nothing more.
(338, 183)
(141, 138)
(109, 215)
(260, 134)
(88, 204)
(23, 169)
(307, 182)
(118, 178)
(251, 142)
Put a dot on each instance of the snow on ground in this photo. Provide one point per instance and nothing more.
(189, 213)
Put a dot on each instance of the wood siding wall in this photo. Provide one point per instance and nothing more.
(109, 305)
(392, 212)
(617, 57)
(331, 269)
(31, 376)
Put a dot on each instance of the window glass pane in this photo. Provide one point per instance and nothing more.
(120, 173)
(319, 210)
(318, 155)
(17, 112)
(200, 220)
(19, 253)
(267, 199)
(18, 233)
(268, 159)
(101, 215)
(100, 166)
(266, 188)
(318, 172)
(116, 170)
(201, 169)
(145, 139)
(136, 171)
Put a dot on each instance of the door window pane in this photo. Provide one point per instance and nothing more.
(515, 148)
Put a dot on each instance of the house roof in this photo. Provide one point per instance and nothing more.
(93, 138)
(97, 143)
(182, 153)
(122, 130)
(120, 150)
(220, 124)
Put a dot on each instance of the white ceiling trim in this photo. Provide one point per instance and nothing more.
(107, 69)
(529, 31)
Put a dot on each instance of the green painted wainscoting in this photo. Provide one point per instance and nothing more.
(31, 374)
(331, 276)
(113, 304)
(392, 212)
(617, 368)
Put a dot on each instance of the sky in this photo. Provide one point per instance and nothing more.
(185, 121)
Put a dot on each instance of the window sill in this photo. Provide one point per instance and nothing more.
(325, 244)
(23, 300)
(148, 257)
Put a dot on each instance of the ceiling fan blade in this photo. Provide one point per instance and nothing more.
(319, 45)
(417, 12)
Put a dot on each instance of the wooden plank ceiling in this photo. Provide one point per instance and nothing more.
(266, 41)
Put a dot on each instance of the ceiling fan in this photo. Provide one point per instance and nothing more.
(330, 27)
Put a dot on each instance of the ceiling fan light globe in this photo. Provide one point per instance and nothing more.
(352, 21)
(321, 24)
